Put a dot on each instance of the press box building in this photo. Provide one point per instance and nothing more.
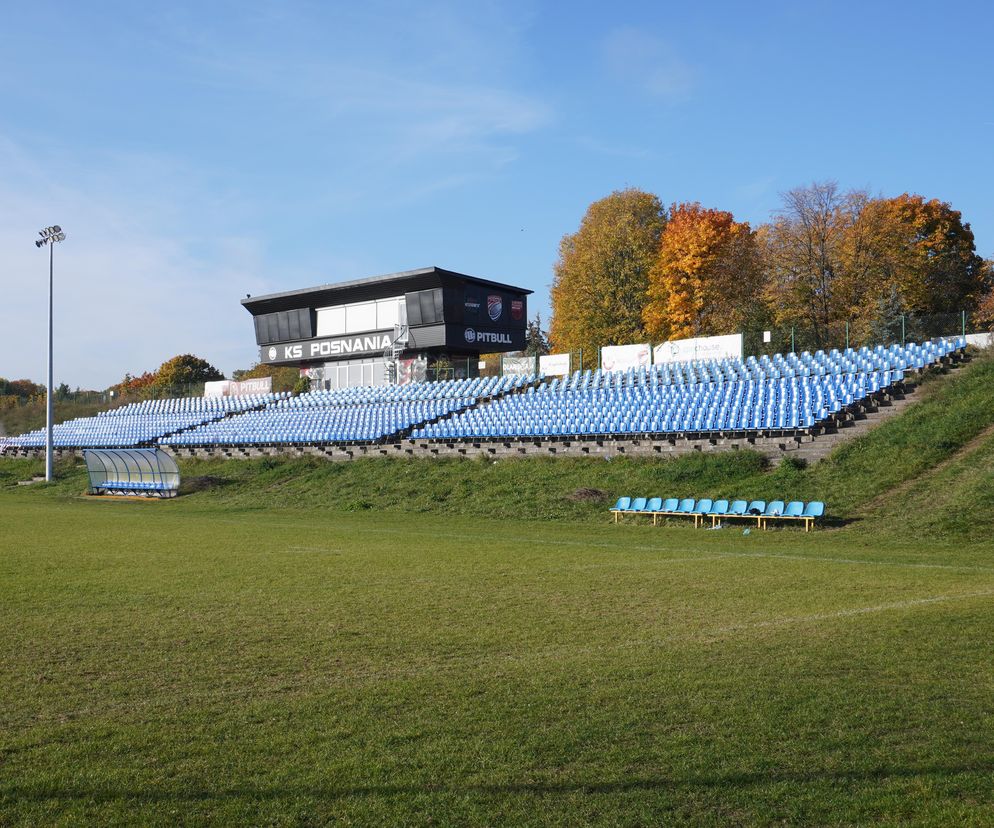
(389, 328)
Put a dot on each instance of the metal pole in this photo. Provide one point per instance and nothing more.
(847, 334)
(792, 339)
(49, 412)
(963, 326)
(581, 360)
(902, 330)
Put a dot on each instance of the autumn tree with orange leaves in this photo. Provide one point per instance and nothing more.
(927, 253)
(706, 278)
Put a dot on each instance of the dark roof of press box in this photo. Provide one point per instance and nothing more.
(372, 287)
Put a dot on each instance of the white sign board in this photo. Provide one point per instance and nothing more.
(982, 340)
(230, 388)
(554, 365)
(705, 347)
(518, 365)
(623, 357)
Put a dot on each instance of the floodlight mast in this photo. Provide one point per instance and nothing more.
(49, 236)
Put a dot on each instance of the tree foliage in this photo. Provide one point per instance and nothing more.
(706, 276)
(926, 251)
(536, 341)
(284, 378)
(185, 369)
(602, 274)
(816, 251)
(22, 388)
(833, 258)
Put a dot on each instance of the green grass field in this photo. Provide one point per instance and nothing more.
(466, 644)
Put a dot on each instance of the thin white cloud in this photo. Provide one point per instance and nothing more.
(131, 288)
(648, 63)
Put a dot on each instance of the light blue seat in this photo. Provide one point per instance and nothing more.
(671, 504)
(718, 509)
(655, 508)
(794, 509)
(702, 508)
(737, 508)
(774, 509)
(756, 509)
(814, 510)
(623, 505)
(639, 504)
(686, 506)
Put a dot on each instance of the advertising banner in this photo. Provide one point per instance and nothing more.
(554, 365)
(411, 370)
(705, 347)
(230, 388)
(518, 365)
(981, 340)
(623, 357)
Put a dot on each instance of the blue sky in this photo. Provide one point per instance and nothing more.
(198, 152)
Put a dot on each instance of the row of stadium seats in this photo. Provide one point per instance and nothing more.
(782, 392)
(350, 415)
(782, 404)
(440, 390)
(821, 363)
(720, 510)
(143, 422)
(359, 423)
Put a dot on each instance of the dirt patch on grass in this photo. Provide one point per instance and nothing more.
(203, 483)
(588, 496)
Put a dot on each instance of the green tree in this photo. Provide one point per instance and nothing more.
(536, 341)
(284, 378)
(185, 369)
(602, 275)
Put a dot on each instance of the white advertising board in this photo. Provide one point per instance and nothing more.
(518, 365)
(230, 388)
(623, 357)
(554, 365)
(981, 340)
(705, 347)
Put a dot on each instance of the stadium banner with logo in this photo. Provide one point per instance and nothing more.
(623, 357)
(703, 347)
(230, 388)
(335, 347)
(411, 370)
(554, 365)
(518, 365)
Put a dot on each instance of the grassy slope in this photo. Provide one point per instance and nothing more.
(854, 481)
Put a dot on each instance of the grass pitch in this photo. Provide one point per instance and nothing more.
(193, 663)
(464, 643)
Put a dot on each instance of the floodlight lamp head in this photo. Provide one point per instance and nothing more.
(56, 229)
(40, 243)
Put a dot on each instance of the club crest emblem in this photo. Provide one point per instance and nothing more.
(495, 306)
